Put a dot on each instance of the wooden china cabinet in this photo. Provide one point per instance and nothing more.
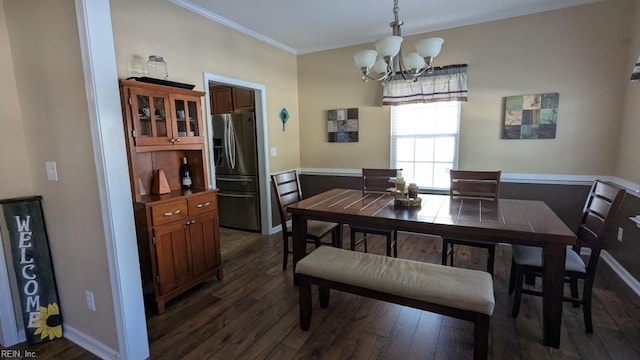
(178, 232)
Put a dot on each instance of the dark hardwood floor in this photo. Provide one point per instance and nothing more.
(253, 314)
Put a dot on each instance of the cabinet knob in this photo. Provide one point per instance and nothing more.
(177, 140)
(172, 140)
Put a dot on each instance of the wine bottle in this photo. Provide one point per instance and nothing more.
(185, 174)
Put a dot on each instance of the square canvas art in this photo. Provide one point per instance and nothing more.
(342, 125)
(531, 116)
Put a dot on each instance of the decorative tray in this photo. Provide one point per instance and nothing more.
(395, 192)
(408, 202)
(162, 82)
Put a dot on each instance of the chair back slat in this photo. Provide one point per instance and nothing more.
(286, 177)
(475, 184)
(377, 180)
(600, 207)
(287, 188)
(605, 191)
(592, 222)
(598, 214)
(288, 199)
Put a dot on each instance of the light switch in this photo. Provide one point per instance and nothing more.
(52, 172)
(274, 151)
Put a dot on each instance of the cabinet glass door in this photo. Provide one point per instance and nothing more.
(187, 111)
(159, 117)
(149, 111)
(193, 119)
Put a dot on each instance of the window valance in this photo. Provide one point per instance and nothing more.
(447, 83)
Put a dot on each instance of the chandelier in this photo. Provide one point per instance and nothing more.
(387, 59)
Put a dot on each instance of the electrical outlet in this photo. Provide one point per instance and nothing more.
(91, 304)
(620, 232)
(274, 151)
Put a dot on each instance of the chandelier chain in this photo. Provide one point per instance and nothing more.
(396, 9)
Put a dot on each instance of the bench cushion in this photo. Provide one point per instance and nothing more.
(437, 284)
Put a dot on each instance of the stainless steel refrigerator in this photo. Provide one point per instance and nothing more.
(236, 162)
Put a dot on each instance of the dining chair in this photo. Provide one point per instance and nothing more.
(376, 181)
(600, 209)
(475, 185)
(286, 187)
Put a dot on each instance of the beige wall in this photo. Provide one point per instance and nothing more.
(578, 52)
(15, 176)
(192, 44)
(629, 151)
(329, 80)
(50, 86)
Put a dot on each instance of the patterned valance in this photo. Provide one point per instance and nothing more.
(447, 83)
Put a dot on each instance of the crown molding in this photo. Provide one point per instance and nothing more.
(233, 25)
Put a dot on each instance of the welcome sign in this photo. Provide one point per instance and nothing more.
(24, 221)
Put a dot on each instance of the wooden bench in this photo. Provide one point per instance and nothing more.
(460, 293)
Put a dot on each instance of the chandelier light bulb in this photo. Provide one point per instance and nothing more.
(365, 58)
(429, 47)
(380, 66)
(389, 46)
(414, 61)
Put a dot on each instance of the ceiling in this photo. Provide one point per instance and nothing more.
(306, 26)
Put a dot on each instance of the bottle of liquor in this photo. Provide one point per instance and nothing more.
(185, 174)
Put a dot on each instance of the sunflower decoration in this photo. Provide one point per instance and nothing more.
(50, 322)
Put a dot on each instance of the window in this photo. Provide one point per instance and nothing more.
(424, 142)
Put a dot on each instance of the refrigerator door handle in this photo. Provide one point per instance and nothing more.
(226, 141)
(232, 144)
(236, 196)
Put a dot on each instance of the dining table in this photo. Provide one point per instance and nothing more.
(510, 221)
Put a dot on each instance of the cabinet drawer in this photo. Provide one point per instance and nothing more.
(202, 204)
(168, 212)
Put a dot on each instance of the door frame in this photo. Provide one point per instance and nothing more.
(10, 334)
(262, 141)
(105, 118)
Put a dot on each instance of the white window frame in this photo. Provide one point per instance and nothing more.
(456, 136)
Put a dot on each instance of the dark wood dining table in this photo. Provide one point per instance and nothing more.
(511, 221)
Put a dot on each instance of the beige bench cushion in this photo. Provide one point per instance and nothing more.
(437, 284)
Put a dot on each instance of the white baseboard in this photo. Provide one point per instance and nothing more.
(90, 344)
(628, 279)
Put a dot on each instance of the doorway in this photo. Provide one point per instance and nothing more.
(262, 142)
